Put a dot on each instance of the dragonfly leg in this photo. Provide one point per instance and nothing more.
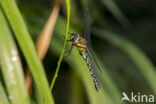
(70, 40)
(69, 51)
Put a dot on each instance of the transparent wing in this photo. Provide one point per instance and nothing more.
(92, 58)
(87, 36)
(86, 26)
(96, 69)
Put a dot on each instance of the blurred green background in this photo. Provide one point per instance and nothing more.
(123, 38)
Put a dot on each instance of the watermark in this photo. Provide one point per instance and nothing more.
(138, 97)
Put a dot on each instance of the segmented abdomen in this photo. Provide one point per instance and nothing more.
(91, 71)
(81, 45)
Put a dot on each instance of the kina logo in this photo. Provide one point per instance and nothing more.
(137, 97)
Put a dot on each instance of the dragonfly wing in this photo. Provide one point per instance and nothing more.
(96, 69)
(86, 26)
(87, 36)
(90, 53)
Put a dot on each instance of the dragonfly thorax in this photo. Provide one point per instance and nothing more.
(75, 37)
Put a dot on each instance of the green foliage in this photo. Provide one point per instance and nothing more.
(3, 96)
(137, 56)
(11, 66)
(114, 75)
(27, 48)
(110, 4)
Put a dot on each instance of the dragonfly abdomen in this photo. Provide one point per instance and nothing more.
(91, 71)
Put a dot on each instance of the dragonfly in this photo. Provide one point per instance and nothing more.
(82, 44)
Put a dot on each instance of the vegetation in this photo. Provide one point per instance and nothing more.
(122, 39)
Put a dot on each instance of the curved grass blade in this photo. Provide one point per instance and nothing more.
(26, 44)
(11, 66)
(110, 4)
(64, 46)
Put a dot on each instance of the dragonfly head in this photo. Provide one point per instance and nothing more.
(75, 37)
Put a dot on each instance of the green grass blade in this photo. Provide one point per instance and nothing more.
(3, 96)
(139, 58)
(114, 9)
(64, 46)
(37, 95)
(26, 44)
(11, 66)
